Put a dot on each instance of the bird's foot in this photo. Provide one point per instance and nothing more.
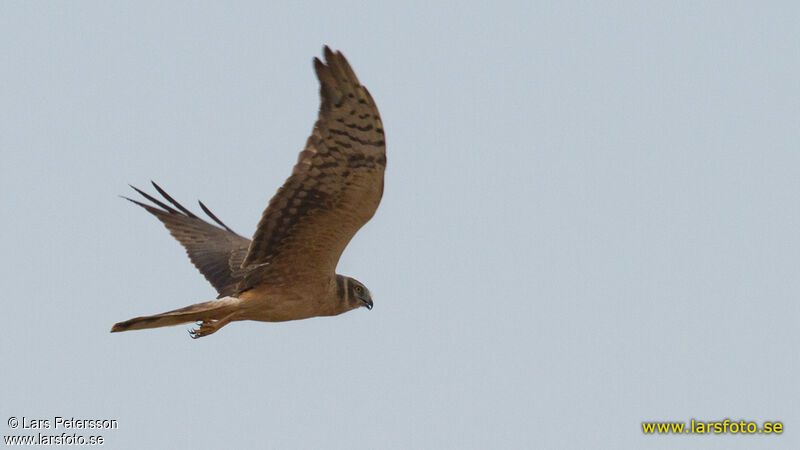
(205, 327)
(209, 326)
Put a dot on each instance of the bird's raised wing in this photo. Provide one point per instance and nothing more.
(335, 186)
(216, 252)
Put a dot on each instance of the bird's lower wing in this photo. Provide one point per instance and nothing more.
(216, 251)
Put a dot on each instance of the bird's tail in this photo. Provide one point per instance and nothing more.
(213, 310)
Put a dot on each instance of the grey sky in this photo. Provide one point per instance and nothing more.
(590, 220)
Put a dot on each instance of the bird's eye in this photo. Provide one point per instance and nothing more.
(359, 289)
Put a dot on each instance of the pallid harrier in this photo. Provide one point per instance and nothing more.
(287, 271)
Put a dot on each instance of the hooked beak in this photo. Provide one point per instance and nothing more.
(368, 304)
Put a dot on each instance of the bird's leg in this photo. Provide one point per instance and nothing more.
(210, 326)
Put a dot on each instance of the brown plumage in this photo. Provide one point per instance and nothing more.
(287, 271)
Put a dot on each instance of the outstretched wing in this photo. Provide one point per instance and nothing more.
(217, 252)
(335, 186)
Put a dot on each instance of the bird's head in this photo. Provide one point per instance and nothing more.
(353, 293)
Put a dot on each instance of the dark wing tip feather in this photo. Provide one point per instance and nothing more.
(214, 217)
(172, 200)
(143, 205)
(152, 199)
(336, 78)
(336, 66)
(169, 209)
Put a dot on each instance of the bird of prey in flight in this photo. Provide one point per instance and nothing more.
(287, 271)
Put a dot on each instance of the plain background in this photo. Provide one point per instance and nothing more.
(590, 220)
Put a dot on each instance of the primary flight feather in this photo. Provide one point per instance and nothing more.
(287, 271)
